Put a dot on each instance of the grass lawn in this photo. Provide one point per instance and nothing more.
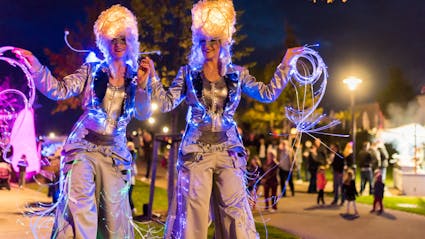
(141, 196)
(401, 203)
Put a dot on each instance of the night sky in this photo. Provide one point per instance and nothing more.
(361, 37)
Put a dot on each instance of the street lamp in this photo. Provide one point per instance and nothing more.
(352, 83)
(165, 129)
(154, 106)
(151, 120)
(52, 135)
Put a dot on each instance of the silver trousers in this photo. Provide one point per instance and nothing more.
(95, 200)
(212, 183)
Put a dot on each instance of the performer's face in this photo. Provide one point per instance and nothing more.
(210, 48)
(118, 48)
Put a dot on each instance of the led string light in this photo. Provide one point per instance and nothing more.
(307, 78)
(308, 75)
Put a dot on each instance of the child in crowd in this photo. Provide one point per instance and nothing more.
(378, 192)
(321, 183)
(350, 191)
(269, 180)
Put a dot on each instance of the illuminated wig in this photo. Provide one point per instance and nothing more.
(214, 19)
(112, 23)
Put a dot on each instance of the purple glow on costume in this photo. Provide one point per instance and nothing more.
(19, 117)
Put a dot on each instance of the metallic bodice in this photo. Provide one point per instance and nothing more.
(214, 105)
(112, 104)
(214, 96)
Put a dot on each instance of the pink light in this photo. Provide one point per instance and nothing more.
(23, 141)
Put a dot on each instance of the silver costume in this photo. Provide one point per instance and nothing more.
(212, 157)
(96, 164)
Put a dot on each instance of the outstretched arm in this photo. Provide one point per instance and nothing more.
(267, 93)
(47, 84)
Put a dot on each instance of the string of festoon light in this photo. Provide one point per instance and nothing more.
(331, 1)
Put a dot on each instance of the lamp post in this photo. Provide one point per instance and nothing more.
(352, 83)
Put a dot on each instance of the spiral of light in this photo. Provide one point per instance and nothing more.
(9, 111)
(308, 73)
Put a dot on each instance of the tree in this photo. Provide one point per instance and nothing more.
(66, 61)
(165, 25)
(397, 91)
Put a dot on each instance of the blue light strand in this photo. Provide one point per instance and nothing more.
(314, 81)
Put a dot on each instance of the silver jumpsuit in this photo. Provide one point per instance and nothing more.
(96, 163)
(212, 160)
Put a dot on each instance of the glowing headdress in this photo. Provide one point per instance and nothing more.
(114, 22)
(214, 19)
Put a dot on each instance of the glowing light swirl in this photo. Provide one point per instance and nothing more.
(22, 65)
(308, 75)
(308, 72)
(8, 111)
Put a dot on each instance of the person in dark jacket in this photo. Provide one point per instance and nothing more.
(313, 165)
(337, 164)
(269, 181)
(365, 164)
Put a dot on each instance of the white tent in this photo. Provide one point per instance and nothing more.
(405, 139)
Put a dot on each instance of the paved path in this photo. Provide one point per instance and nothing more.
(301, 216)
(13, 223)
